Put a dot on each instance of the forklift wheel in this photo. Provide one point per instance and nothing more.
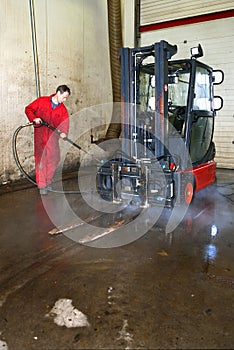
(104, 186)
(188, 192)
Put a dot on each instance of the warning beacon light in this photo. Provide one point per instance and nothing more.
(196, 52)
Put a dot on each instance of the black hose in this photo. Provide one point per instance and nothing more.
(21, 169)
(15, 153)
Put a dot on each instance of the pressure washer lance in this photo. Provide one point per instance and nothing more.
(58, 132)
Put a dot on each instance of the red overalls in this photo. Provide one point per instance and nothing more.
(46, 142)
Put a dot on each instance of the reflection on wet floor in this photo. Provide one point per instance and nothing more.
(165, 289)
(203, 214)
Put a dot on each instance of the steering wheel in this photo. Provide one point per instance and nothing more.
(177, 111)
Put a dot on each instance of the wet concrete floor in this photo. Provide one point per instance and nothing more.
(163, 290)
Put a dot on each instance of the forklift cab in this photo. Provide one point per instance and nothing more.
(190, 108)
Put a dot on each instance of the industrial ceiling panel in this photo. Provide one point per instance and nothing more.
(157, 11)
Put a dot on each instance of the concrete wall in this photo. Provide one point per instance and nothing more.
(73, 49)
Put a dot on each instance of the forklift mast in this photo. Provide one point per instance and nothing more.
(133, 68)
(167, 121)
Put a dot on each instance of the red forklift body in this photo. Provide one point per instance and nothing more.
(204, 174)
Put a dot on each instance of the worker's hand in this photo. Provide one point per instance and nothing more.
(37, 121)
(63, 135)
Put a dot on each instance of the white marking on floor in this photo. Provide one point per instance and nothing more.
(123, 334)
(65, 314)
(3, 344)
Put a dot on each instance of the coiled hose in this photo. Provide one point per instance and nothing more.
(15, 153)
(21, 169)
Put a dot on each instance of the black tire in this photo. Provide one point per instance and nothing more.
(104, 186)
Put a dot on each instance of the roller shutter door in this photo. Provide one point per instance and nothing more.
(156, 11)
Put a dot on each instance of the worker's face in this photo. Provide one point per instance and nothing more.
(62, 97)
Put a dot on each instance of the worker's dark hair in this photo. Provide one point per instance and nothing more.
(63, 88)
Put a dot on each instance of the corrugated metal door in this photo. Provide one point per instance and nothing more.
(217, 40)
(156, 11)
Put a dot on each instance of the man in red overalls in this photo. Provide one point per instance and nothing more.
(46, 142)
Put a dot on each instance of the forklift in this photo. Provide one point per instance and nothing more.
(168, 110)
